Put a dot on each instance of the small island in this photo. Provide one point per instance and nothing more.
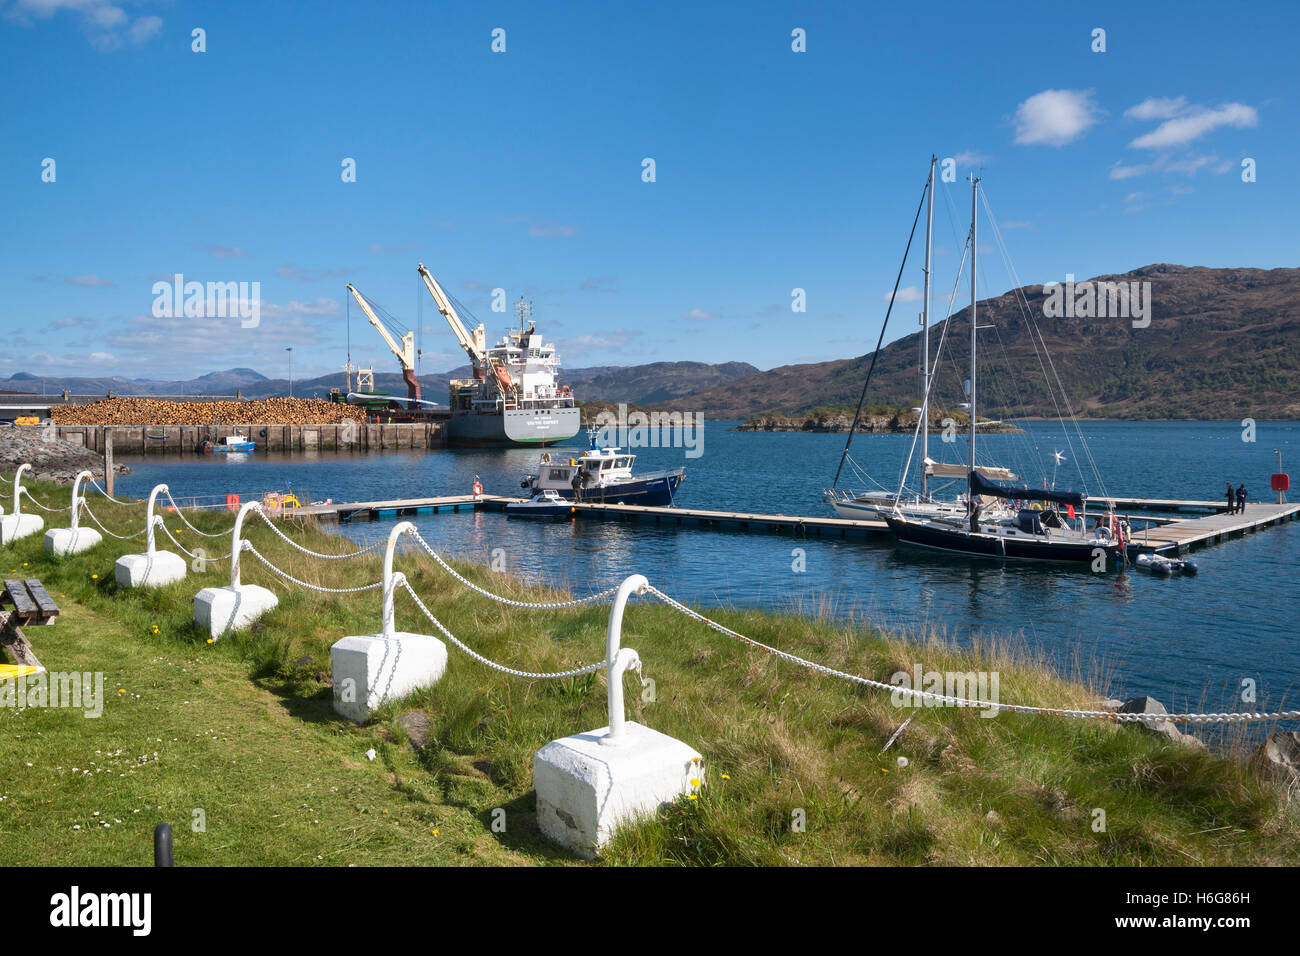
(879, 419)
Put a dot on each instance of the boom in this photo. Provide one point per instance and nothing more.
(472, 344)
(405, 350)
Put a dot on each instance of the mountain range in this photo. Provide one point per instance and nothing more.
(1215, 344)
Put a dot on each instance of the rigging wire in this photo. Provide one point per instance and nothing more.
(880, 341)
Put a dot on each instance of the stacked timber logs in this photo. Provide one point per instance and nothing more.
(149, 411)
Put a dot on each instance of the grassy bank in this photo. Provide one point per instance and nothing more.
(243, 729)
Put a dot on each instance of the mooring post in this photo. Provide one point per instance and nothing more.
(236, 541)
(78, 499)
(619, 659)
(108, 460)
(151, 518)
(18, 487)
(162, 845)
(391, 580)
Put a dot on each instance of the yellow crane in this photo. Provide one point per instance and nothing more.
(404, 348)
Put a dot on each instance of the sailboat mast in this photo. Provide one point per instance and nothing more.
(925, 342)
(974, 192)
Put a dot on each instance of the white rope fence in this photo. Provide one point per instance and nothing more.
(400, 580)
(100, 488)
(32, 499)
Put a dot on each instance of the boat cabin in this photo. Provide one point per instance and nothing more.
(592, 469)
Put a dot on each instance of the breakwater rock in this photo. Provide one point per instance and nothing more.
(52, 459)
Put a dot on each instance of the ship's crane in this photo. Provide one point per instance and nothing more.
(474, 344)
(403, 349)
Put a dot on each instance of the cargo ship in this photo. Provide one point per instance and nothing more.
(515, 396)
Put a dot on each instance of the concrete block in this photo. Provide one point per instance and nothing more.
(13, 527)
(149, 570)
(372, 668)
(586, 789)
(61, 541)
(218, 611)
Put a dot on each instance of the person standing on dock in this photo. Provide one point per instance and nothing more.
(1241, 499)
(1232, 506)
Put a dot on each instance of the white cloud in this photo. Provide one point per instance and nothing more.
(1055, 117)
(90, 282)
(108, 26)
(1186, 165)
(321, 306)
(909, 294)
(1181, 130)
(101, 358)
(971, 158)
(700, 315)
(1157, 107)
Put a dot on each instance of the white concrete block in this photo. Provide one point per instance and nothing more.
(61, 541)
(13, 527)
(149, 570)
(586, 790)
(371, 669)
(221, 610)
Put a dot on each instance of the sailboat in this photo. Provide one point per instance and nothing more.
(874, 505)
(1040, 531)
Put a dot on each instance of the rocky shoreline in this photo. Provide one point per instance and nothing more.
(52, 459)
(838, 422)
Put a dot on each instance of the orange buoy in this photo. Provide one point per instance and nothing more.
(478, 488)
(232, 502)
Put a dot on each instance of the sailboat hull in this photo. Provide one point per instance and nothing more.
(957, 541)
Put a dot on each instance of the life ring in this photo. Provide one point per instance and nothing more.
(478, 488)
(1036, 506)
(1104, 533)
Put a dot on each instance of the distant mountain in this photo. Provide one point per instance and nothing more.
(1222, 343)
(636, 384)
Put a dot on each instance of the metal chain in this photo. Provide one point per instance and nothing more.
(248, 546)
(180, 514)
(196, 557)
(41, 506)
(961, 701)
(120, 537)
(589, 599)
(556, 675)
(315, 554)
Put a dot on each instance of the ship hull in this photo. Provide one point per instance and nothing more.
(954, 541)
(538, 427)
(656, 492)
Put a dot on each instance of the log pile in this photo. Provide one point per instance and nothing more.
(149, 411)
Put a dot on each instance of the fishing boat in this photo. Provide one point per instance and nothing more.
(1054, 526)
(603, 476)
(230, 443)
(544, 504)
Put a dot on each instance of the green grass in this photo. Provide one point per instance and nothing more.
(244, 729)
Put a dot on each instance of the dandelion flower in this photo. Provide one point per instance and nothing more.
(695, 781)
(94, 577)
(726, 776)
(692, 797)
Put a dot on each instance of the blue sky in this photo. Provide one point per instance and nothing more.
(775, 170)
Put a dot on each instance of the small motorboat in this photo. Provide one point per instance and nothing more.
(544, 504)
(231, 443)
(1159, 564)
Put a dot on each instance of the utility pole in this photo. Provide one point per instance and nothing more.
(289, 349)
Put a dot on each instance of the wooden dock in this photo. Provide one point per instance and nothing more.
(1181, 536)
(1176, 535)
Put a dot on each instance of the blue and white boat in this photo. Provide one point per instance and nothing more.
(544, 504)
(233, 443)
(603, 476)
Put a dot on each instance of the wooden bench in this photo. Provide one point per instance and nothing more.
(31, 604)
